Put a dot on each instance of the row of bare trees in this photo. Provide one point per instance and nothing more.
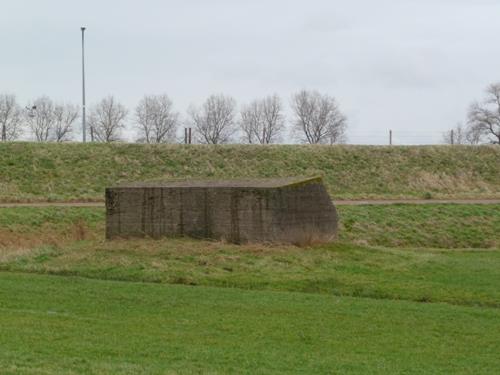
(48, 121)
(317, 119)
(483, 121)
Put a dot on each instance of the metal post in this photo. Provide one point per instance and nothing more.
(84, 125)
(4, 132)
(390, 137)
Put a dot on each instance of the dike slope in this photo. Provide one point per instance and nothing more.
(81, 172)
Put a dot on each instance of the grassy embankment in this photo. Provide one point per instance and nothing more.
(418, 265)
(406, 289)
(40, 172)
(351, 307)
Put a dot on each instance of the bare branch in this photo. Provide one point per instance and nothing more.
(215, 121)
(455, 136)
(11, 118)
(262, 121)
(318, 118)
(107, 119)
(473, 135)
(483, 118)
(65, 116)
(41, 118)
(156, 120)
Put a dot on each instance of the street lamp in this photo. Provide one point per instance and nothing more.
(31, 110)
(84, 127)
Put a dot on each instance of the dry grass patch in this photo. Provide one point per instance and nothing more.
(47, 235)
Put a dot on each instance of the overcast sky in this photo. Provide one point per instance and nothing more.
(412, 66)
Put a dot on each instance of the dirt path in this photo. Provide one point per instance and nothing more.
(415, 201)
(338, 203)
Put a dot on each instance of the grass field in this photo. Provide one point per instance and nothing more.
(40, 172)
(69, 241)
(70, 325)
(72, 303)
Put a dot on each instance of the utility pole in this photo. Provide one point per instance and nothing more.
(84, 125)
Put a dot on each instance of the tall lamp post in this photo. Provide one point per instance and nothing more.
(84, 126)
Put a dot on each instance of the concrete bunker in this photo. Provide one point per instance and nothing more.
(288, 210)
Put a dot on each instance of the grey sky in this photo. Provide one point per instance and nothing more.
(412, 66)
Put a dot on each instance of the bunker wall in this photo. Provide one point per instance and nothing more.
(282, 214)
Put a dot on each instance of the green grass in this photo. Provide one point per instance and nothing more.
(71, 243)
(42, 172)
(405, 289)
(437, 225)
(444, 226)
(458, 277)
(26, 219)
(57, 325)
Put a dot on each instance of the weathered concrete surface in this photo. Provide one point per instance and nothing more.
(275, 210)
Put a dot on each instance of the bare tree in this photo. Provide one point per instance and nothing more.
(215, 121)
(156, 120)
(40, 118)
(251, 122)
(10, 118)
(484, 118)
(262, 121)
(462, 135)
(49, 121)
(473, 135)
(65, 116)
(455, 136)
(318, 118)
(107, 119)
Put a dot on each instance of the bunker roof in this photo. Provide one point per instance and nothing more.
(239, 183)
